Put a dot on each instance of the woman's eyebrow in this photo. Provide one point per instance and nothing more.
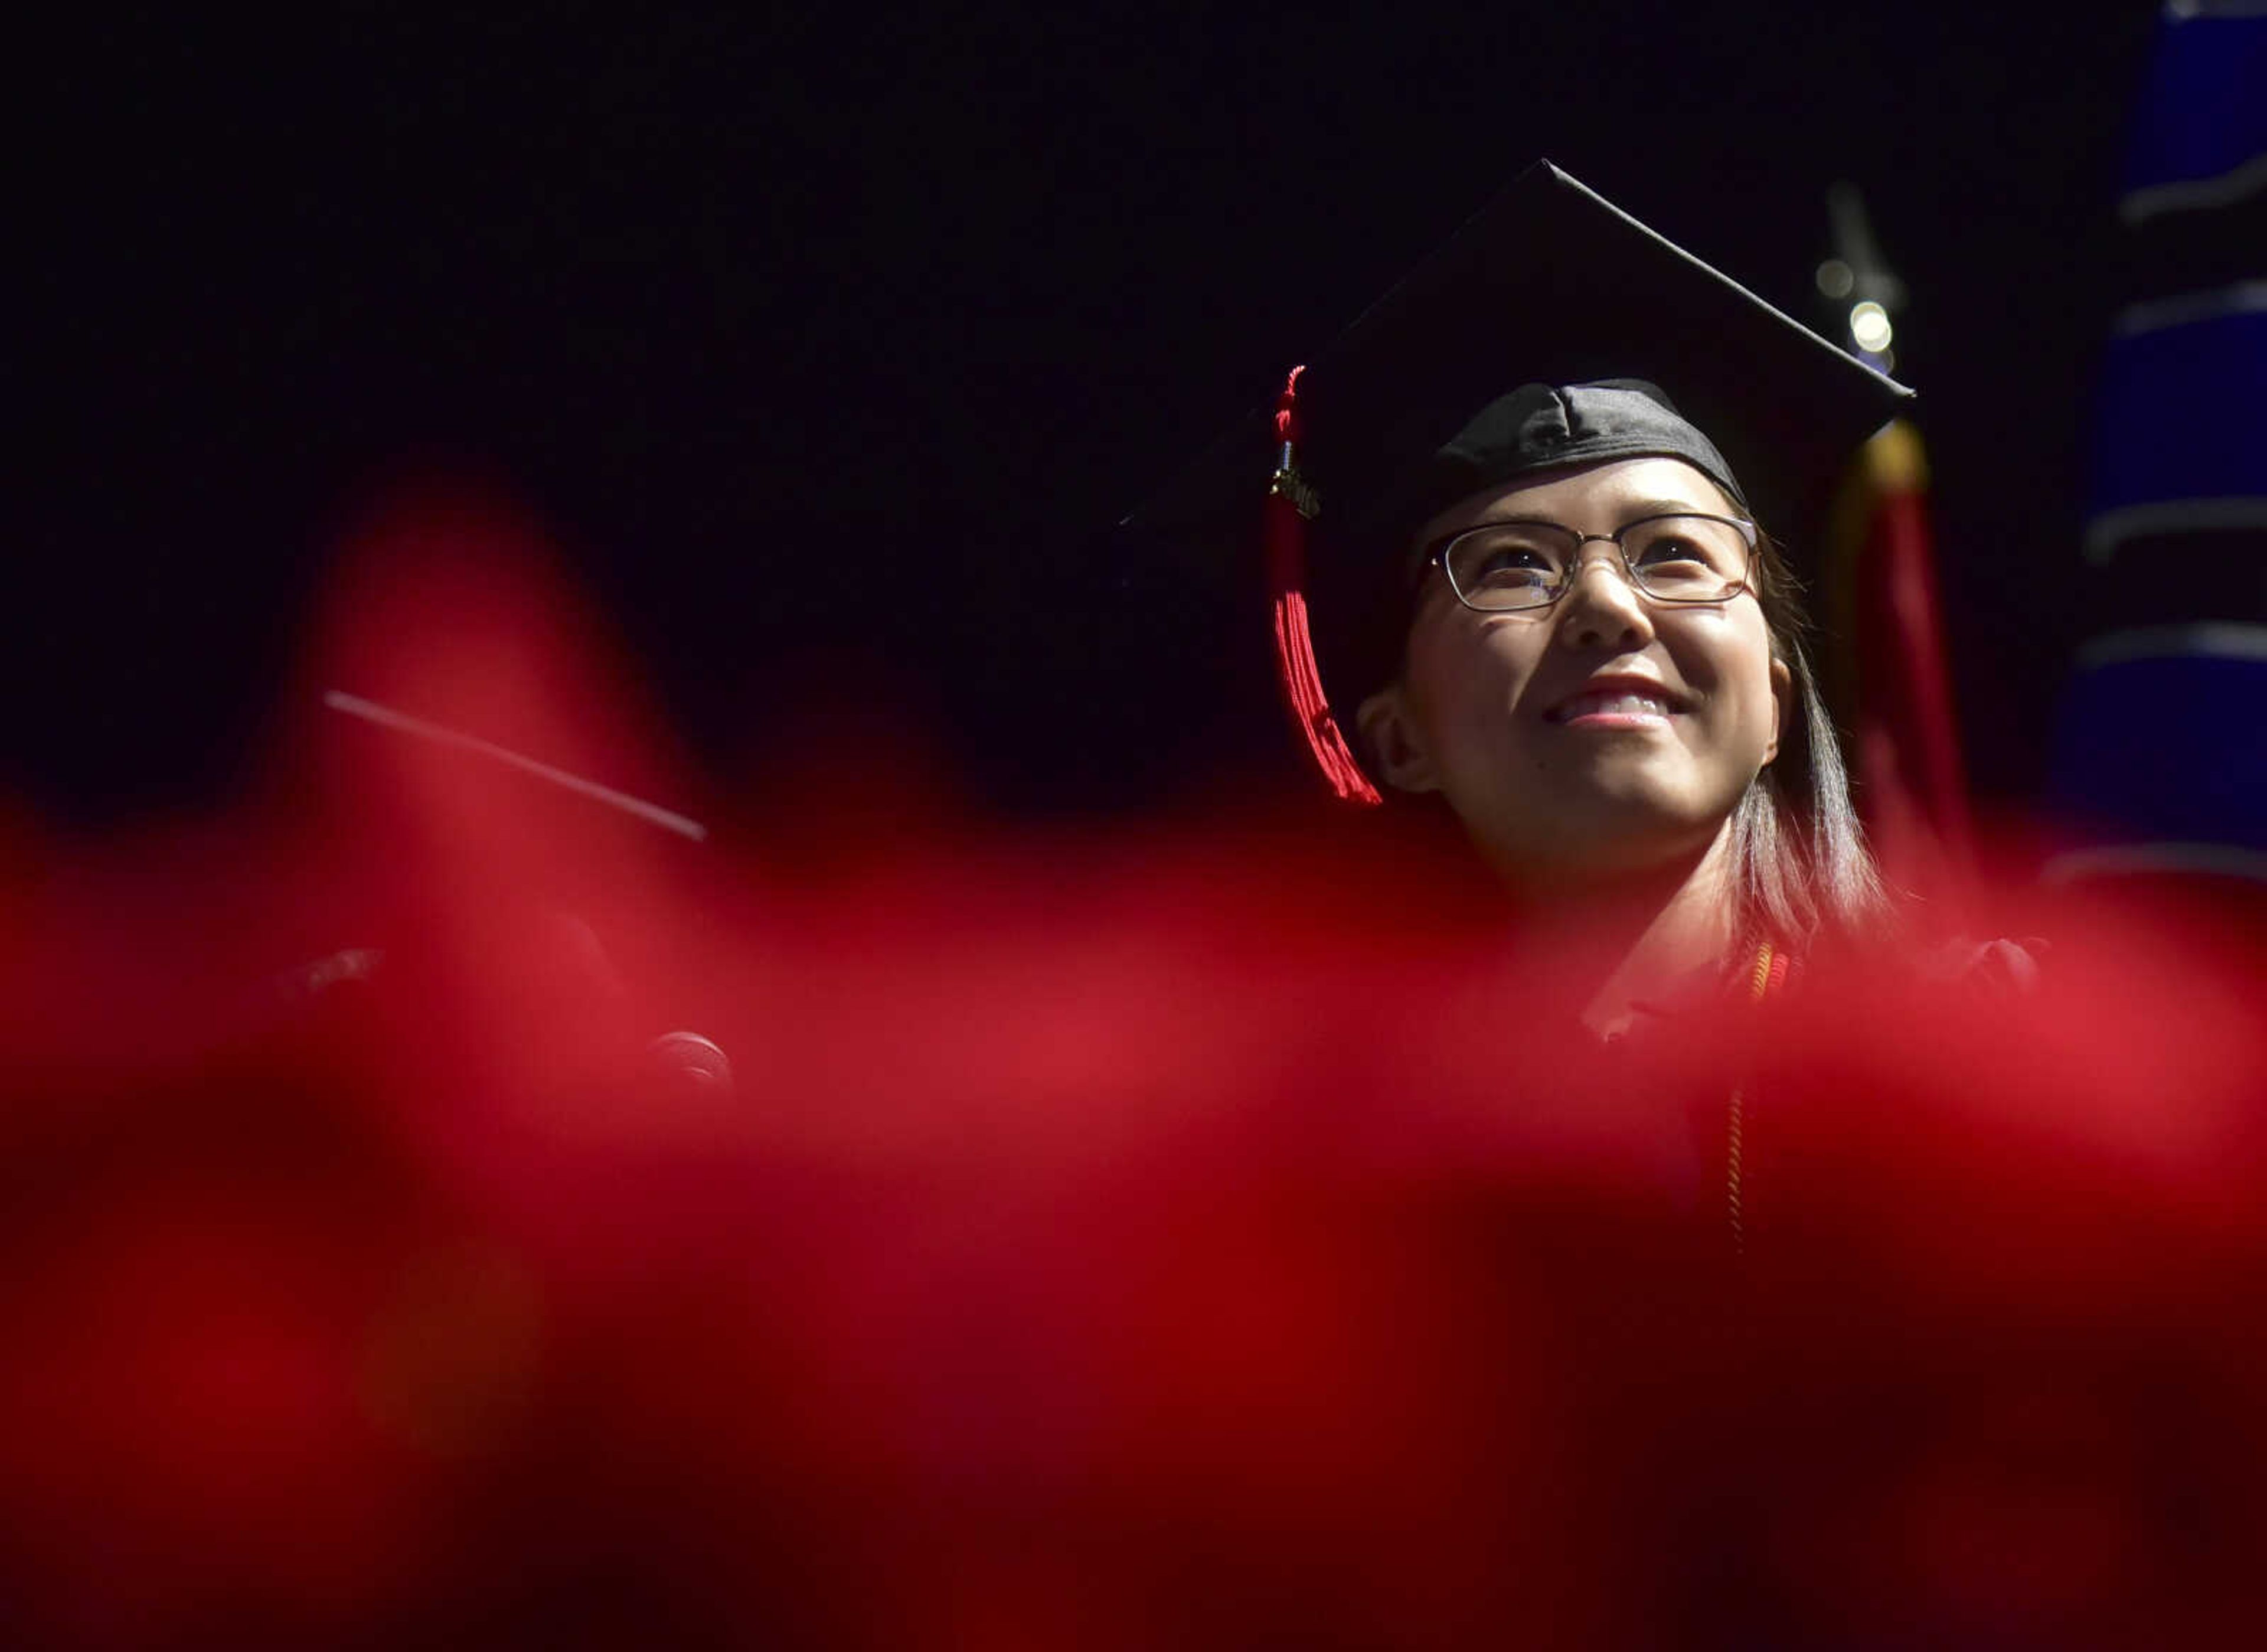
(1638, 510)
(1635, 510)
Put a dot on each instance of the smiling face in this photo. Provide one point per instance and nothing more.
(1607, 733)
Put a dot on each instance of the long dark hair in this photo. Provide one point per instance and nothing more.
(1802, 873)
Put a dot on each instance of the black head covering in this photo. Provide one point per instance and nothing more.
(1510, 351)
(1555, 427)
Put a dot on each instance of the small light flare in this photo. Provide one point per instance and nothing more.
(1836, 279)
(1869, 326)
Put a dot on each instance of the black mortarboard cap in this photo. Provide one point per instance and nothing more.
(1549, 287)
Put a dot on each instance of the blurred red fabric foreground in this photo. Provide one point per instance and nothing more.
(1186, 1237)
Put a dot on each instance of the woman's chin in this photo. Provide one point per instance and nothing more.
(1603, 831)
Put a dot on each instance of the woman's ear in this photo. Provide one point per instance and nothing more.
(1782, 681)
(1395, 743)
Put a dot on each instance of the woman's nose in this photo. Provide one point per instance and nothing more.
(1602, 609)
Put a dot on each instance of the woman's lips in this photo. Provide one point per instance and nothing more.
(1613, 708)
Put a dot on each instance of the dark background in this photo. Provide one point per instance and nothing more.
(828, 344)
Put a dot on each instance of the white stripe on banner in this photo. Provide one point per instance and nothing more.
(2183, 11)
(2193, 195)
(2245, 297)
(2212, 639)
(2130, 860)
(2112, 528)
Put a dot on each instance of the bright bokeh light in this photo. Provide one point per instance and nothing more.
(1869, 326)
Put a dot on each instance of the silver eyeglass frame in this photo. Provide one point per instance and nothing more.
(1436, 555)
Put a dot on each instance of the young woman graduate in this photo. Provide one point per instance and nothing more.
(1534, 490)
(1977, 1342)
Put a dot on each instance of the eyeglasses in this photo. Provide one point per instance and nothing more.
(1502, 566)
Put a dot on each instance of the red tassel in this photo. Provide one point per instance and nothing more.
(1290, 502)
